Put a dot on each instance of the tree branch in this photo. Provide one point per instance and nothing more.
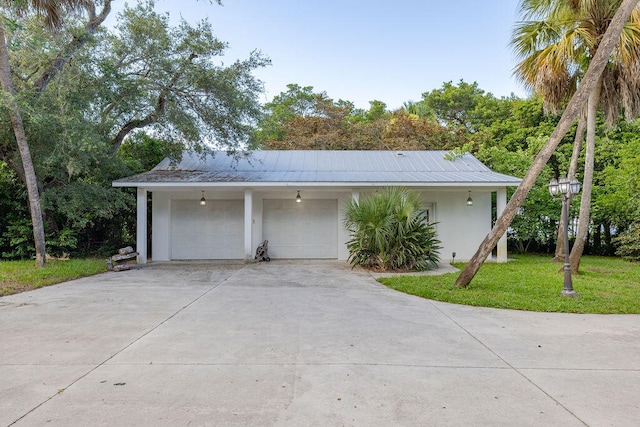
(40, 84)
(155, 115)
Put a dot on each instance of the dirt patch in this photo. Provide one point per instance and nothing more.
(603, 270)
(10, 288)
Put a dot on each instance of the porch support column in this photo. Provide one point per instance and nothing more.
(501, 204)
(355, 195)
(141, 226)
(248, 224)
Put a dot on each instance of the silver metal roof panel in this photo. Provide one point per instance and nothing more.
(408, 167)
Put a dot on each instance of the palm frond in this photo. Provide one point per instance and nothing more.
(53, 11)
(555, 43)
(389, 231)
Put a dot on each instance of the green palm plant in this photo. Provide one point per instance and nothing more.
(556, 41)
(390, 231)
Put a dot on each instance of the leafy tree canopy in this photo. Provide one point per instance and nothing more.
(163, 87)
(464, 106)
(302, 119)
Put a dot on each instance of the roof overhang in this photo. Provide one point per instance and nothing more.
(176, 185)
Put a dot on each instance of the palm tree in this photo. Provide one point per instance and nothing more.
(557, 40)
(571, 112)
(53, 11)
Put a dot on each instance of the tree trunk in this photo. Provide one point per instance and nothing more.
(573, 166)
(23, 146)
(607, 238)
(597, 240)
(587, 182)
(589, 82)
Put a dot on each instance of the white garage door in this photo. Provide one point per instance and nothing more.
(301, 230)
(214, 231)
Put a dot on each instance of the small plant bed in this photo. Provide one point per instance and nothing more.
(532, 282)
(21, 276)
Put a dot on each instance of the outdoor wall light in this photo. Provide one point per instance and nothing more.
(203, 201)
(298, 197)
(469, 199)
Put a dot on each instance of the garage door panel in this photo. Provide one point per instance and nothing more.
(214, 231)
(301, 230)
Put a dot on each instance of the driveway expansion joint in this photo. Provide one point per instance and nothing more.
(510, 365)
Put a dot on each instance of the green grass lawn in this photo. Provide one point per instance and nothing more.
(605, 285)
(20, 276)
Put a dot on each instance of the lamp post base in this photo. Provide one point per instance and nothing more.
(569, 293)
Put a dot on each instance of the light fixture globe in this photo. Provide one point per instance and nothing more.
(563, 185)
(553, 187)
(574, 186)
(298, 197)
(469, 199)
(203, 201)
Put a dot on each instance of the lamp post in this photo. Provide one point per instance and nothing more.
(566, 189)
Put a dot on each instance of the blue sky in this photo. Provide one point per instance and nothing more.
(359, 50)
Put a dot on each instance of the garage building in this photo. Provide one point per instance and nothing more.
(221, 206)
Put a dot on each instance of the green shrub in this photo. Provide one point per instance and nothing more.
(390, 231)
(629, 242)
(18, 239)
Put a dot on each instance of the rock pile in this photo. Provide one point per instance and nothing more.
(123, 260)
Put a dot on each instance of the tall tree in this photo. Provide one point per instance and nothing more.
(53, 12)
(464, 107)
(575, 105)
(152, 75)
(573, 167)
(141, 75)
(556, 41)
(78, 90)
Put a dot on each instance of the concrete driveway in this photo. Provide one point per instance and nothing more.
(301, 344)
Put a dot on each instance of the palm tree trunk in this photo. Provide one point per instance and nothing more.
(587, 182)
(573, 166)
(25, 155)
(589, 82)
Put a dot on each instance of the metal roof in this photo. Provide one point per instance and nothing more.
(321, 167)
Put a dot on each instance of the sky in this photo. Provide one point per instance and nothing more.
(359, 51)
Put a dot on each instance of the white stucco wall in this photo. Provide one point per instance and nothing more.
(460, 228)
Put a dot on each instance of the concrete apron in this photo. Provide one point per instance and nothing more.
(297, 344)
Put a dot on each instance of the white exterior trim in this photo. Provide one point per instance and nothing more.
(248, 224)
(141, 225)
(345, 185)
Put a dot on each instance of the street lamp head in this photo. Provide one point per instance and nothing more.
(574, 186)
(563, 185)
(553, 187)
